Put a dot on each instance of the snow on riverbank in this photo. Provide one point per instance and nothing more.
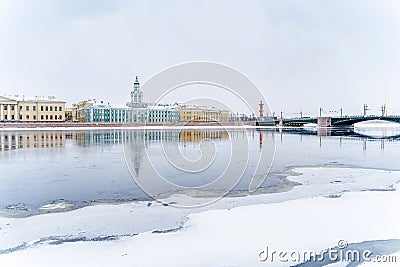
(232, 232)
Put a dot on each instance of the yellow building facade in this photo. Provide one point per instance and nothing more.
(8, 109)
(71, 113)
(32, 110)
(188, 114)
(203, 114)
(80, 109)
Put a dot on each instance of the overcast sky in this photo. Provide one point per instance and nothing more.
(301, 54)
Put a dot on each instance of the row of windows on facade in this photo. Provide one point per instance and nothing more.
(106, 115)
(197, 117)
(151, 119)
(42, 117)
(123, 113)
(42, 108)
(106, 111)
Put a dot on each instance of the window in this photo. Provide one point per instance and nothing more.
(12, 107)
(47, 117)
(20, 107)
(27, 108)
(51, 116)
(55, 108)
(12, 117)
(60, 108)
(5, 107)
(51, 108)
(41, 117)
(34, 117)
(47, 108)
(34, 108)
(27, 117)
(20, 117)
(41, 108)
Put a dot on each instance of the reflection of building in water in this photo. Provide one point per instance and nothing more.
(121, 136)
(197, 136)
(324, 132)
(157, 136)
(87, 138)
(135, 141)
(135, 150)
(24, 140)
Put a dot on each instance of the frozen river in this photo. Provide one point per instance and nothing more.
(72, 169)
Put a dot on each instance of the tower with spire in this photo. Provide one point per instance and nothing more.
(136, 95)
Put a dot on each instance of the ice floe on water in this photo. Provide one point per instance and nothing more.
(21, 210)
(56, 206)
(14, 210)
(333, 181)
(329, 204)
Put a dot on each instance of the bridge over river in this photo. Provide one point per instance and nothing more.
(326, 121)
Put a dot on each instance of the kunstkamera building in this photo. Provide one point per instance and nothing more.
(138, 111)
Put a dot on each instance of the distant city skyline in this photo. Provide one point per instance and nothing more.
(303, 55)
